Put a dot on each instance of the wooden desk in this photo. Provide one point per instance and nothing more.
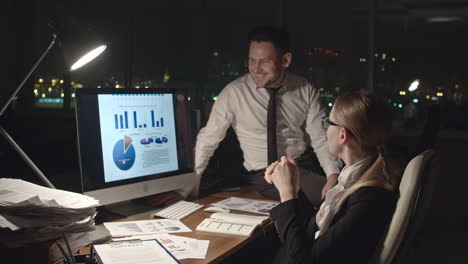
(221, 246)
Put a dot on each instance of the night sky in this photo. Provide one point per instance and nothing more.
(148, 37)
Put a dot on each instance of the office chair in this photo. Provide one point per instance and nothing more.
(414, 197)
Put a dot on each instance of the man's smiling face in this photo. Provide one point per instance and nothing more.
(266, 64)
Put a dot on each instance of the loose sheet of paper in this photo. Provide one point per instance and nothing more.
(221, 227)
(247, 205)
(4, 223)
(179, 246)
(133, 252)
(146, 227)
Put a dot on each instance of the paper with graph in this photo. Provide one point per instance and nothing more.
(247, 205)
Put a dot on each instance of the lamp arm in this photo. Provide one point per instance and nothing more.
(4, 107)
(26, 158)
(18, 88)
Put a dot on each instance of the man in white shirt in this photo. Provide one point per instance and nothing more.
(243, 105)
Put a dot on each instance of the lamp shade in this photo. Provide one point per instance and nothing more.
(80, 45)
(414, 85)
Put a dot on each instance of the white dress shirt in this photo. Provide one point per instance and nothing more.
(243, 105)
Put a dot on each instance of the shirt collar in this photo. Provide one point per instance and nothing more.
(283, 85)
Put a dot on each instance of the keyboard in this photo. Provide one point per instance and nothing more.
(178, 210)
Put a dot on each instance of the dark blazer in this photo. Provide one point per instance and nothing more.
(351, 237)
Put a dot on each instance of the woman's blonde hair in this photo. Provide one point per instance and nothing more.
(368, 119)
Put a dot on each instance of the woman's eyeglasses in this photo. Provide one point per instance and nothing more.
(326, 123)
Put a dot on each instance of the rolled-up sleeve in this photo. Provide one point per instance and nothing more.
(211, 135)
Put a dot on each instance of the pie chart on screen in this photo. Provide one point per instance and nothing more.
(124, 153)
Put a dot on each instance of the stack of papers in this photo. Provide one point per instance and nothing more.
(30, 213)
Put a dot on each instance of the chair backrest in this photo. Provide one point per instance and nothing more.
(409, 189)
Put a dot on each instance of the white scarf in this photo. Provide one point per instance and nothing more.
(348, 176)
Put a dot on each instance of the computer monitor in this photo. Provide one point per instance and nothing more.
(132, 142)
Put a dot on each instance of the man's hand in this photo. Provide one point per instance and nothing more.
(332, 179)
(163, 199)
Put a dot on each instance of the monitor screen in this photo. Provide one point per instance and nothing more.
(132, 142)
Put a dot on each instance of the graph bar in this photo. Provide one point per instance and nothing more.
(157, 123)
(162, 122)
(121, 121)
(144, 125)
(135, 119)
(126, 119)
(152, 118)
(116, 118)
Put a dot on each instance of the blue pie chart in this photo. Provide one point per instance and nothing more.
(172, 228)
(123, 158)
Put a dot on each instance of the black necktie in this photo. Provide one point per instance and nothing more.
(271, 126)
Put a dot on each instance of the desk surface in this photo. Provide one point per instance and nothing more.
(221, 246)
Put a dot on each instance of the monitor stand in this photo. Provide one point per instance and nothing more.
(132, 208)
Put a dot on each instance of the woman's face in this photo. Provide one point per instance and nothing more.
(333, 135)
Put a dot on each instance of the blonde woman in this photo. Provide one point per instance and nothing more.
(356, 211)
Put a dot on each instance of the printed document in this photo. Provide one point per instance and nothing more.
(179, 246)
(133, 252)
(145, 227)
(247, 205)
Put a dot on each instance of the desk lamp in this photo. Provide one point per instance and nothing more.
(79, 47)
